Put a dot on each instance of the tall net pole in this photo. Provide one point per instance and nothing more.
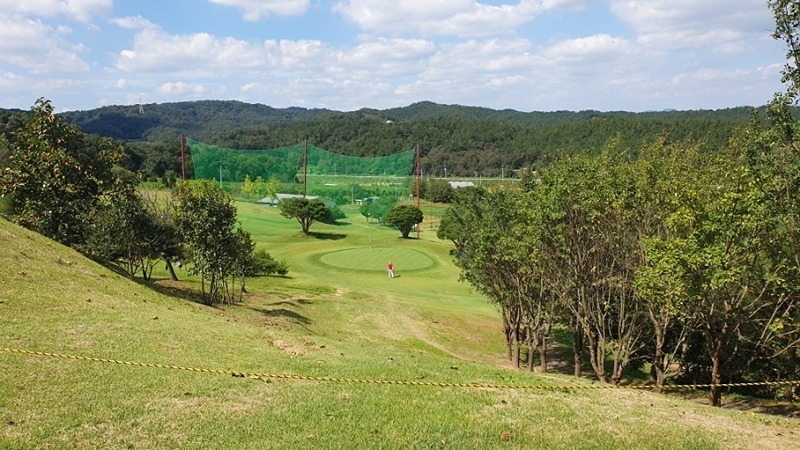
(183, 157)
(305, 167)
(419, 173)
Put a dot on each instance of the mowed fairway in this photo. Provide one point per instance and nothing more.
(338, 326)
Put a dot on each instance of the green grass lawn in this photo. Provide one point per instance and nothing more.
(337, 315)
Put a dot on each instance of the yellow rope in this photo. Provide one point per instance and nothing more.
(279, 376)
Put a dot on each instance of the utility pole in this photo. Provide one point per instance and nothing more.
(419, 174)
(183, 158)
(305, 167)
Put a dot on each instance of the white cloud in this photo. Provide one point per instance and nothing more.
(681, 54)
(718, 24)
(445, 17)
(156, 51)
(37, 47)
(385, 57)
(81, 10)
(181, 88)
(255, 10)
(133, 23)
(587, 49)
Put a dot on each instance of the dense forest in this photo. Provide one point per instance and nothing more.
(467, 141)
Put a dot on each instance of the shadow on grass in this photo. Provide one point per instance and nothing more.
(175, 291)
(327, 236)
(164, 286)
(286, 314)
(742, 403)
(301, 301)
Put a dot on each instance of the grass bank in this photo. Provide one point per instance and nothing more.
(337, 314)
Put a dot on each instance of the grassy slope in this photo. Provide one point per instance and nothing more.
(323, 321)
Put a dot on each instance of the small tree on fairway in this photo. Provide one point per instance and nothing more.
(377, 208)
(305, 211)
(404, 217)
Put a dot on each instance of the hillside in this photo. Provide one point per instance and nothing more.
(164, 122)
(324, 320)
(204, 120)
(469, 141)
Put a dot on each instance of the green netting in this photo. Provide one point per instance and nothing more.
(286, 163)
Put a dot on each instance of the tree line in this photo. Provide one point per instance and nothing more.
(680, 258)
(466, 141)
(67, 186)
(666, 253)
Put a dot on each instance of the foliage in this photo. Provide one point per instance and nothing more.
(438, 191)
(128, 231)
(67, 304)
(643, 260)
(56, 175)
(377, 208)
(220, 249)
(468, 141)
(305, 211)
(404, 217)
(264, 264)
(335, 213)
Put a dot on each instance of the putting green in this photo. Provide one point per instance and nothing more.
(376, 259)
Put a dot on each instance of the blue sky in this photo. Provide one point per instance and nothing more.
(528, 55)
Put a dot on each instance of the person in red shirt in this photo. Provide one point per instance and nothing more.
(390, 268)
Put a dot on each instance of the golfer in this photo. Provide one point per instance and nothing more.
(390, 269)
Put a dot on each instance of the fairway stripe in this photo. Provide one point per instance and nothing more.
(279, 376)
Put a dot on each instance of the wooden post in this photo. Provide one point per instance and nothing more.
(183, 158)
(305, 167)
(419, 168)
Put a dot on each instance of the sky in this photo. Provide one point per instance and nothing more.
(527, 55)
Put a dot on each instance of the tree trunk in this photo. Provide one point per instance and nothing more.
(543, 355)
(507, 331)
(789, 392)
(533, 344)
(515, 347)
(597, 355)
(171, 270)
(658, 361)
(715, 394)
(577, 348)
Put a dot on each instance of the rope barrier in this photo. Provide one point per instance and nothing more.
(279, 376)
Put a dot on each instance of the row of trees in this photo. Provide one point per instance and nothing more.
(65, 185)
(466, 141)
(687, 260)
(683, 258)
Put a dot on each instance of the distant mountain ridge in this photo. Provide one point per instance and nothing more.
(162, 122)
(206, 119)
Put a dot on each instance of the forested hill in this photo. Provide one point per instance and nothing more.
(207, 120)
(200, 119)
(466, 140)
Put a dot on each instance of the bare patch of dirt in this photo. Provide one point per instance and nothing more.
(289, 348)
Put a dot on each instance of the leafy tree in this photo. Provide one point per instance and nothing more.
(271, 187)
(123, 232)
(248, 186)
(56, 175)
(591, 254)
(305, 211)
(377, 208)
(455, 223)
(665, 192)
(438, 191)
(404, 217)
(206, 218)
(264, 264)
